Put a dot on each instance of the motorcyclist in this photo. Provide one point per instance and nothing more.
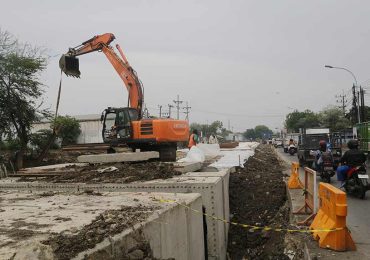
(321, 155)
(350, 159)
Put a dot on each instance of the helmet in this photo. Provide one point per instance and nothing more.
(322, 144)
(352, 144)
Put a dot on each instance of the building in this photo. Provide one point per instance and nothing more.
(91, 128)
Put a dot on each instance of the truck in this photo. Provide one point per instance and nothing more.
(361, 132)
(309, 140)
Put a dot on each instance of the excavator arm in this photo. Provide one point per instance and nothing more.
(69, 64)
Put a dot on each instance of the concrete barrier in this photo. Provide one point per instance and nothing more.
(211, 189)
(332, 215)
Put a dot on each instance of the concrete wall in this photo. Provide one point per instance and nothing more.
(175, 233)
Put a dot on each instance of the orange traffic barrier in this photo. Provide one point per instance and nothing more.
(294, 182)
(332, 216)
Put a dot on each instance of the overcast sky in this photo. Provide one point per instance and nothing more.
(247, 62)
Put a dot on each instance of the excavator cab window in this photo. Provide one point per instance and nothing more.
(123, 121)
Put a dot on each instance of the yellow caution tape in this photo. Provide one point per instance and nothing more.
(250, 227)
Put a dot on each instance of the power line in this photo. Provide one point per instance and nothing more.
(230, 114)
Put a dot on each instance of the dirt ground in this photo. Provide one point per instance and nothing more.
(109, 223)
(258, 197)
(113, 173)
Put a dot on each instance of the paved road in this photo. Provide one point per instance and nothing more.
(358, 219)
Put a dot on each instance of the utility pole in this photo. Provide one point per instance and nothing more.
(169, 110)
(342, 99)
(178, 102)
(160, 110)
(146, 112)
(355, 110)
(362, 104)
(187, 108)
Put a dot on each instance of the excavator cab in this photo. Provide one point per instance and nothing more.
(70, 65)
(117, 123)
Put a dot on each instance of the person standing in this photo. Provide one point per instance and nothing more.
(193, 139)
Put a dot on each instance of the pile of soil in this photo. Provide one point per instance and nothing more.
(109, 223)
(121, 173)
(258, 197)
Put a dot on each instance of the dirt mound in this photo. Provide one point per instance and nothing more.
(109, 223)
(258, 197)
(113, 173)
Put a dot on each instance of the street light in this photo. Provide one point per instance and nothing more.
(354, 77)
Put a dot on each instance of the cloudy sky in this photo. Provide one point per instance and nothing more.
(243, 62)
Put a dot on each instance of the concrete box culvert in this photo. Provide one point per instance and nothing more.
(224, 174)
(211, 189)
(170, 229)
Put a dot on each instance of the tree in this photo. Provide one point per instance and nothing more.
(262, 132)
(20, 88)
(250, 134)
(333, 118)
(305, 119)
(215, 128)
(40, 139)
(68, 129)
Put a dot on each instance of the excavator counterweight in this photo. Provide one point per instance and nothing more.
(70, 65)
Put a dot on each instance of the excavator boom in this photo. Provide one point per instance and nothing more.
(69, 64)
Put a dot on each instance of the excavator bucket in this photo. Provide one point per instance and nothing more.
(69, 65)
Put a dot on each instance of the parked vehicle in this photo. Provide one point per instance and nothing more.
(278, 142)
(357, 182)
(361, 132)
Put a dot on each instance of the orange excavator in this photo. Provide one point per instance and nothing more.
(126, 125)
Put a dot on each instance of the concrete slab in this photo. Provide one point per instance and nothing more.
(171, 230)
(185, 167)
(52, 167)
(211, 189)
(118, 157)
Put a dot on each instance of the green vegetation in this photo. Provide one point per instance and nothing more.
(215, 128)
(67, 129)
(260, 131)
(20, 88)
(331, 117)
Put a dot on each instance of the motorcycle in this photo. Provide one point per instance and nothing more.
(356, 182)
(326, 170)
(292, 149)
